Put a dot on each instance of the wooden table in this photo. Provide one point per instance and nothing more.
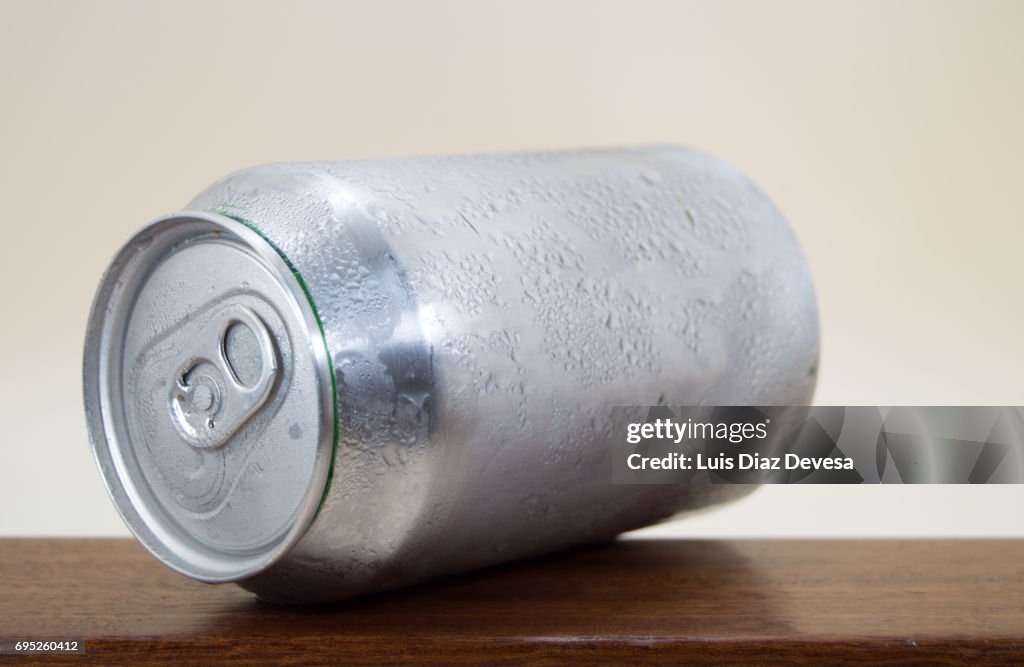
(631, 601)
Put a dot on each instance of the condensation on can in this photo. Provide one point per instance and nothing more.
(325, 379)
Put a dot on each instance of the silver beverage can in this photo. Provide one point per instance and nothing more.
(324, 379)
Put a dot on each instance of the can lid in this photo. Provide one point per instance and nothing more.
(209, 396)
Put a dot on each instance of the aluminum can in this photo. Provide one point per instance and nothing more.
(324, 379)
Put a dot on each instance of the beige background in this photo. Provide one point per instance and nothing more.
(890, 133)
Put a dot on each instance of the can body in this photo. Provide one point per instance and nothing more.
(474, 320)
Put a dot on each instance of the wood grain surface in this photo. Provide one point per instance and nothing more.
(800, 601)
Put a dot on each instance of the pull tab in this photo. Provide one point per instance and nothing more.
(208, 402)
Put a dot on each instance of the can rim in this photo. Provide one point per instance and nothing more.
(137, 506)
